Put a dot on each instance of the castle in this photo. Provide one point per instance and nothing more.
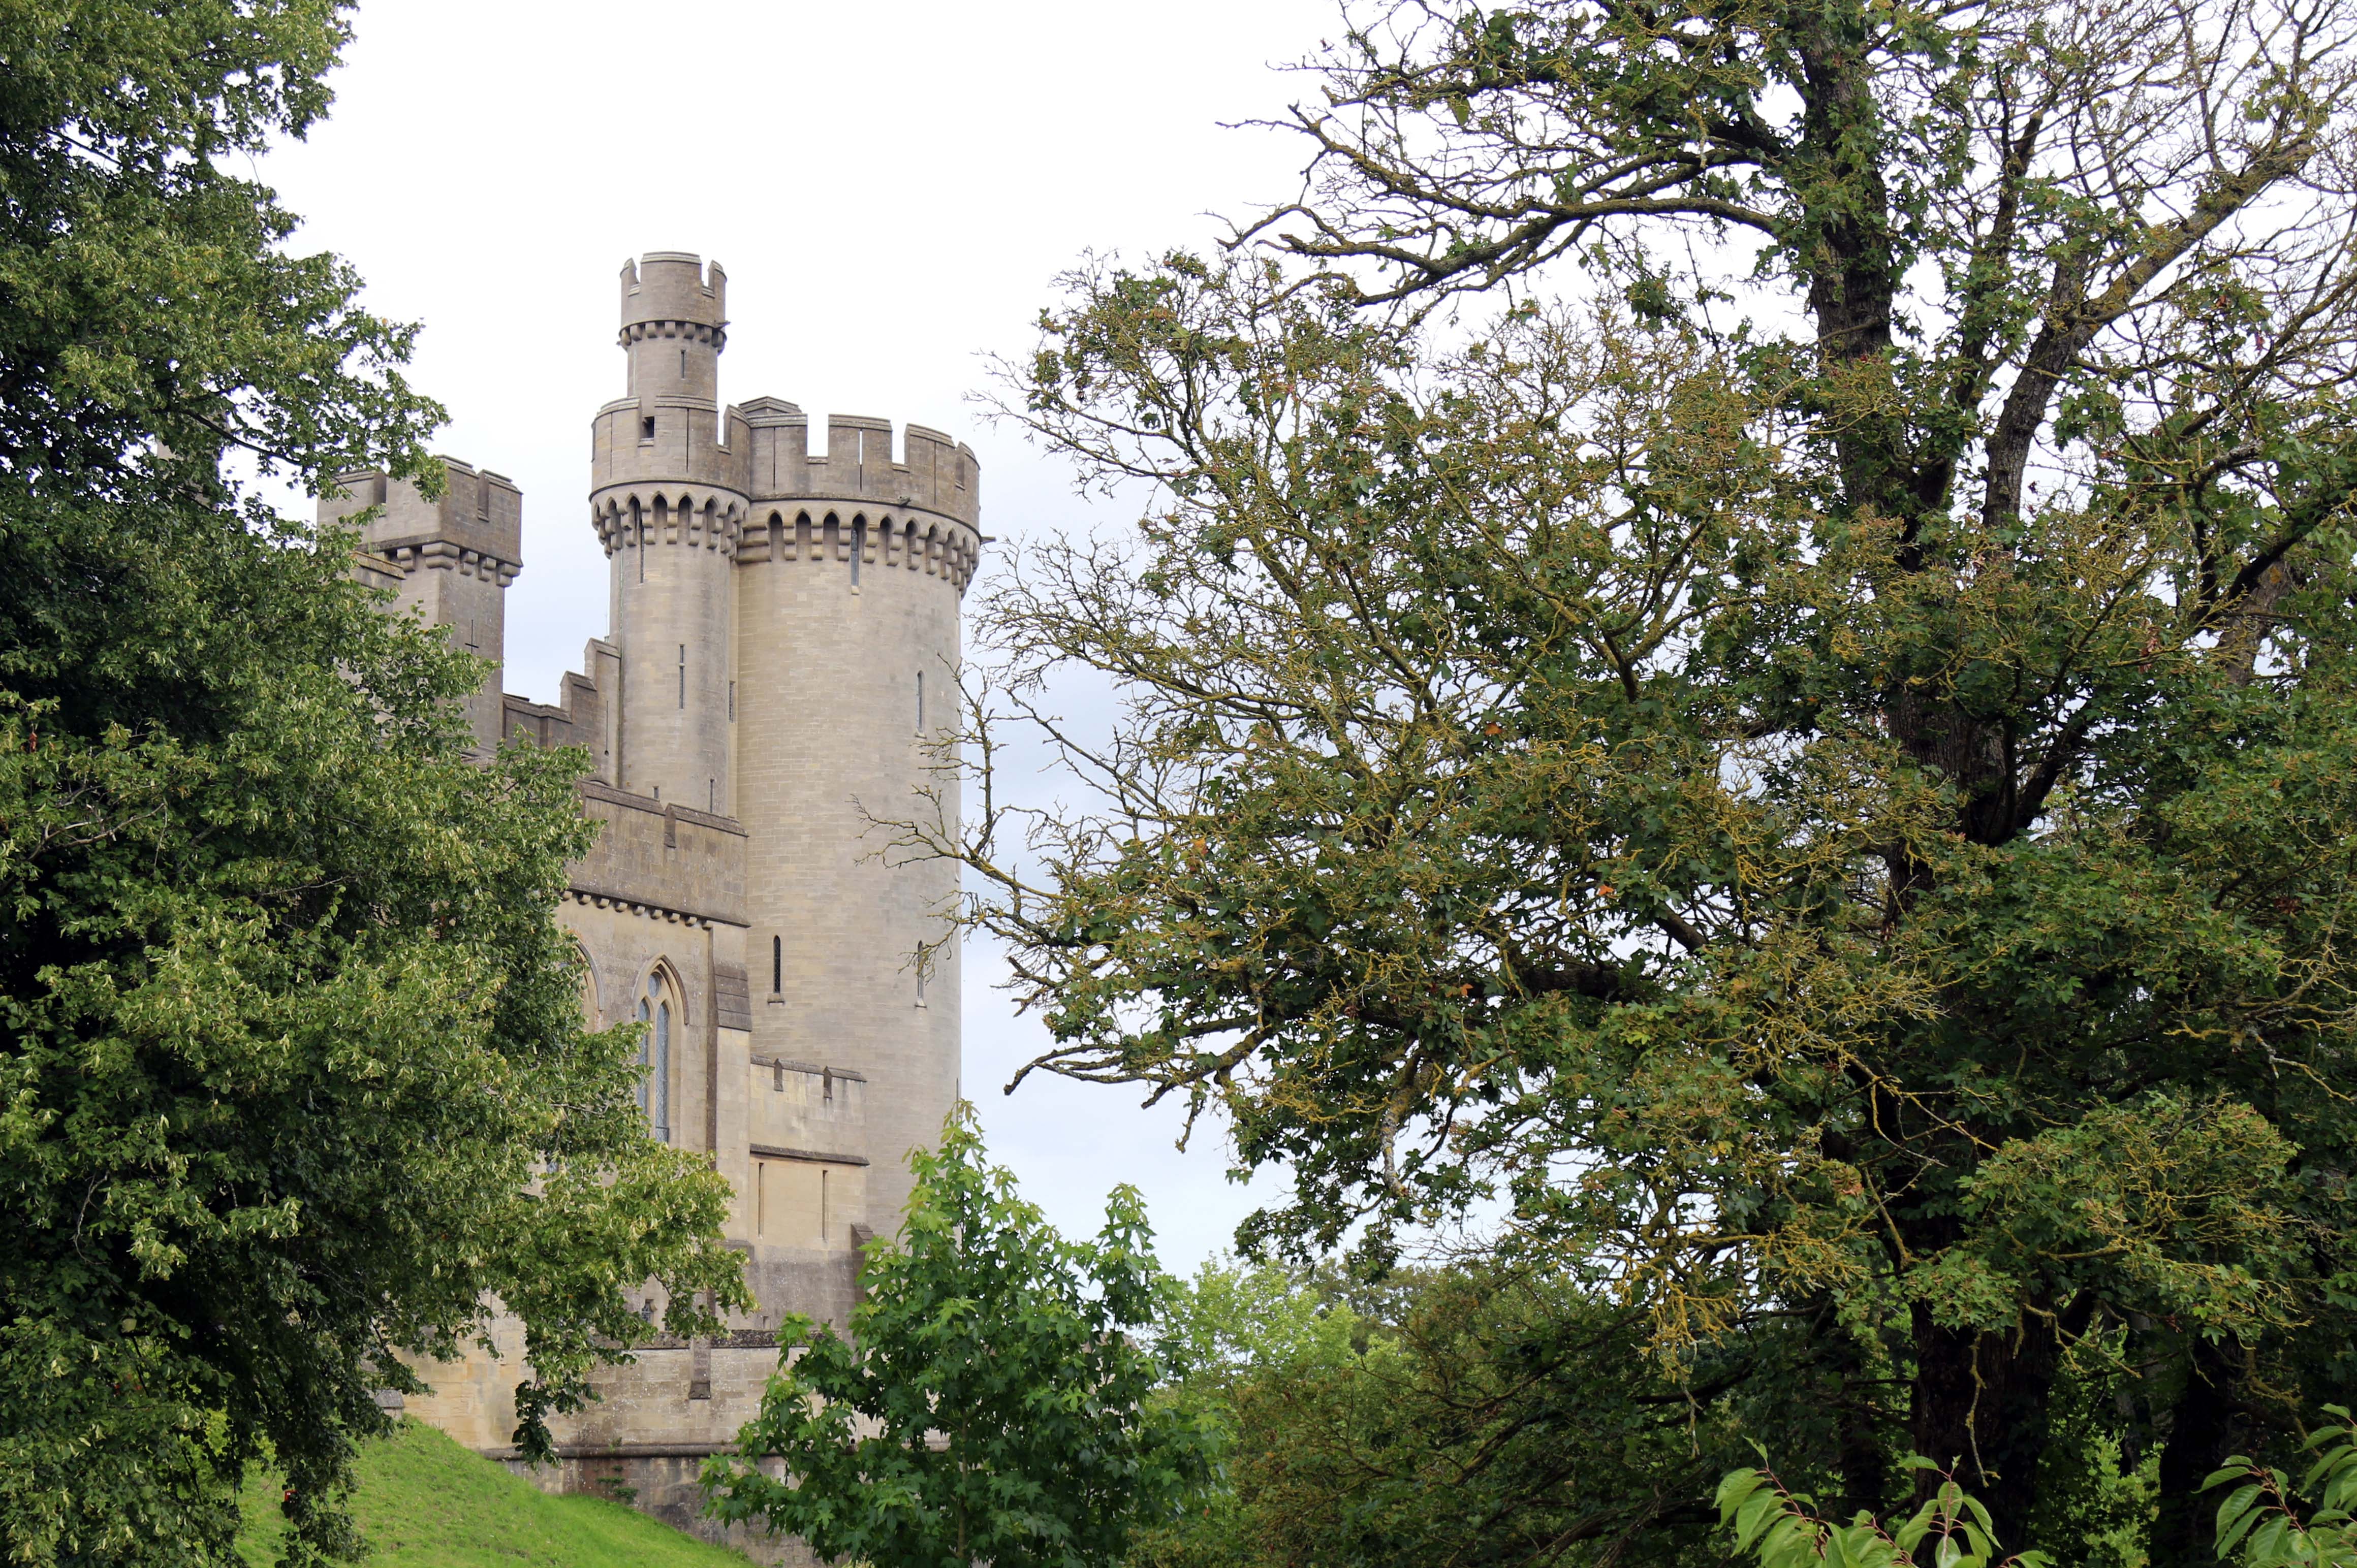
(783, 648)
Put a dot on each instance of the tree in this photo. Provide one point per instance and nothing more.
(992, 1405)
(1743, 638)
(294, 1085)
(1432, 1427)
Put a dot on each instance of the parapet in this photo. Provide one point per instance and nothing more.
(478, 519)
(674, 286)
(935, 473)
(658, 858)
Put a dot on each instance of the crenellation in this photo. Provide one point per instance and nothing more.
(673, 286)
(934, 475)
(478, 515)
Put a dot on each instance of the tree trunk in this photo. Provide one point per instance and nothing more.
(1862, 1446)
(1980, 1403)
(2200, 1432)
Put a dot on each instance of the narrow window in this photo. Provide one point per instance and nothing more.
(821, 1206)
(683, 364)
(776, 1078)
(760, 1197)
(777, 966)
(858, 547)
(647, 428)
(712, 796)
(662, 1071)
(646, 1044)
(683, 675)
(921, 702)
(826, 1084)
(732, 702)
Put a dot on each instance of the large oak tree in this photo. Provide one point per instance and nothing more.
(1743, 637)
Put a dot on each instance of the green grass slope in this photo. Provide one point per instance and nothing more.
(425, 1502)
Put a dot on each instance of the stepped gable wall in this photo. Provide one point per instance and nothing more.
(582, 716)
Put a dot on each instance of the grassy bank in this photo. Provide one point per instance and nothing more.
(425, 1502)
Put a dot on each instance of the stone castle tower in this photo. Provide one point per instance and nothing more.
(783, 644)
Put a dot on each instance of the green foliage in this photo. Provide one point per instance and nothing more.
(1241, 1334)
(1477, 1416)
(1806, 744)
(2098, 1485)
(993, 1403)
(1952, 1529)
(2259, 1520)
(292, 1080)
(147, 297)
(420, 1500)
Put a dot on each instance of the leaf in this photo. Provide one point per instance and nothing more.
(1754, 1515)
(2229, 1534)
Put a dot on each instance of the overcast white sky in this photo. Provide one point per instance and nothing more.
(892, 187)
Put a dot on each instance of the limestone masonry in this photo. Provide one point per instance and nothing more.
(784, 639)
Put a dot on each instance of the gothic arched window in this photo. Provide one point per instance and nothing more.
(654, 1057)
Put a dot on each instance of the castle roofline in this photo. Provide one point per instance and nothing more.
(766, 413)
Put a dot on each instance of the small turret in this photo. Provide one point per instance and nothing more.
(449, 560)
(674, 325)
(669, 505)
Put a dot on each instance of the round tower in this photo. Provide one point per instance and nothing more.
(854, 561)
(668, 498)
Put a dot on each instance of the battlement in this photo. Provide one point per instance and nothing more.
(934, 473)
(477, 524)
(675, 289)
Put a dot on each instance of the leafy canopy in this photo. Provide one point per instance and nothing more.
(293, 1086)
(993, 1403)
(1803, 737)
(1450, 1417)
